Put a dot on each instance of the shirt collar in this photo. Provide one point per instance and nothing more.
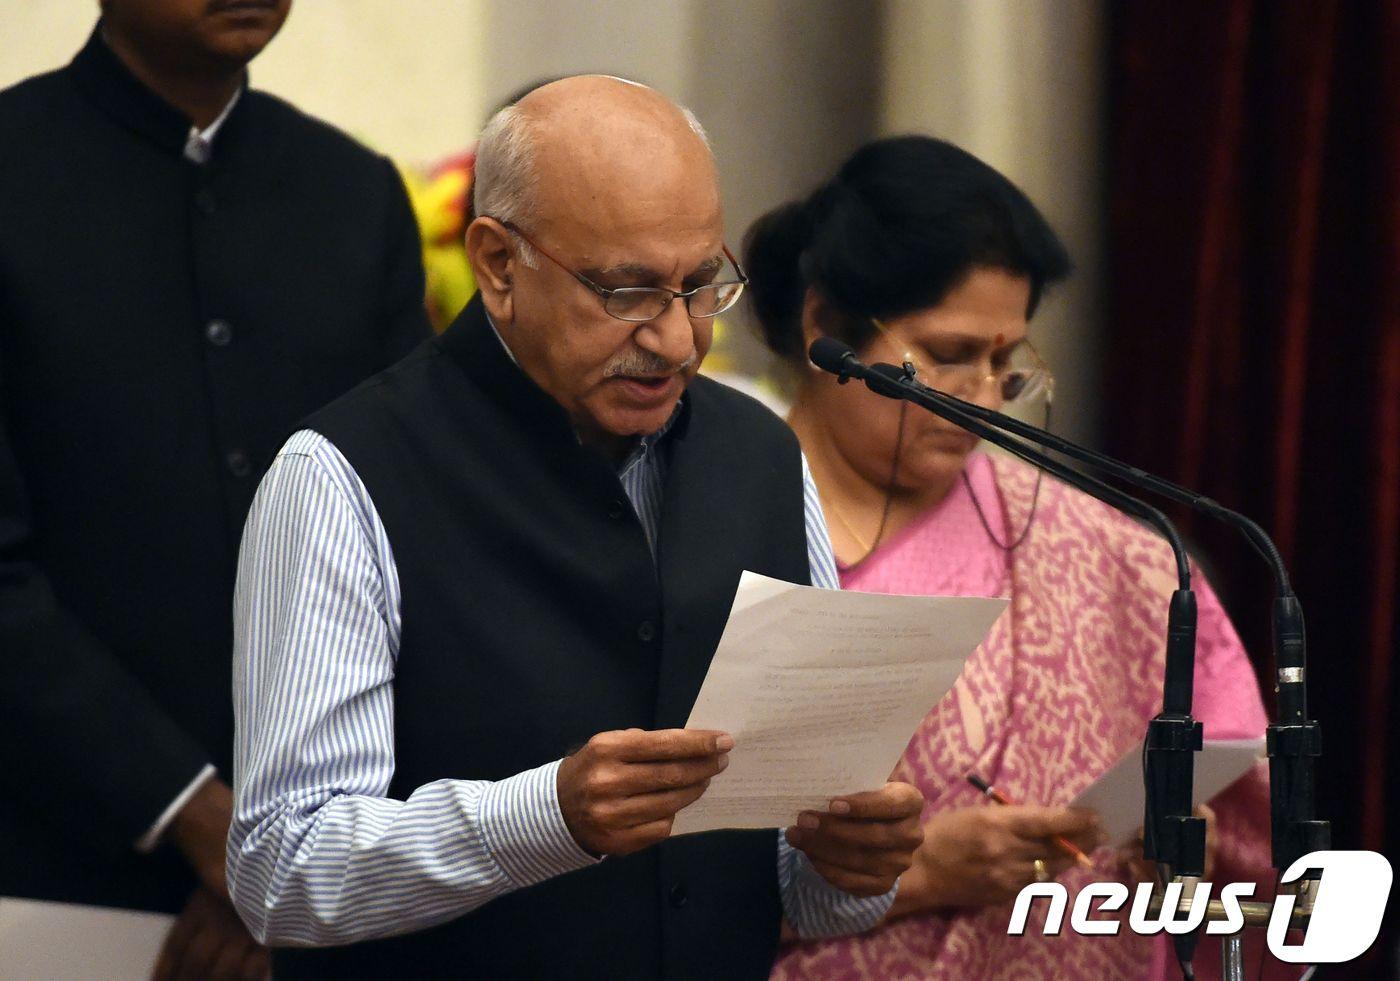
(199, 144)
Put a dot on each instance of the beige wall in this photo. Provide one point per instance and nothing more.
(37, 35)
(404, 75)
(1019, 83)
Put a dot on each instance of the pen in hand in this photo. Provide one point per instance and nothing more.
(1064, 844)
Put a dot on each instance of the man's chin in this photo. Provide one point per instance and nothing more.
(631, 421)
(235, 44)
(237, 48)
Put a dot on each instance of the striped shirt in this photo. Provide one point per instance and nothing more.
(317, 854)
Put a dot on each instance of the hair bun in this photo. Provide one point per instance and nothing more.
(773, 248)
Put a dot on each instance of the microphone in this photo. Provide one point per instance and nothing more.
(831, 356)
(1171, 834)
(1294, 741)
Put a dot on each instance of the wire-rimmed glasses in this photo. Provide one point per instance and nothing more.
(1020, 379)
(638, 304)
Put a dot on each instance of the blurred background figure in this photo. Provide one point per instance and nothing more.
(918, 252)
(187, 268)
(1225, 176)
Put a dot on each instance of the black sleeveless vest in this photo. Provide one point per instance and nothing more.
(535, 616)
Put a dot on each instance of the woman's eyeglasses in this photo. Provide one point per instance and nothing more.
(1022, 377)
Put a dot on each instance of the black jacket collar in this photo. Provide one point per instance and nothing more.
(472, 343)
(111, 86)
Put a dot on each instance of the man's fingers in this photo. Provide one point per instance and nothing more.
(228, 959)
(646, 778)
(647, 746)
(854, 859)
(855, 883)
(863, 832)
(173, 950)
(619, 781)
(892, 802)
(256, 965)
(197, 961)
(629, 840)
(165, 961)
(645, 808)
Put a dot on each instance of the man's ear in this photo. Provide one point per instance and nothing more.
(490, 251)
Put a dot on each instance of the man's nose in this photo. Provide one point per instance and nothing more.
(670, 334)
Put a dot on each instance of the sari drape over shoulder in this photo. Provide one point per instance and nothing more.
(1060, 690)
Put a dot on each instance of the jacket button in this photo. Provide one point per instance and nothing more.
(218, 333)
(616, 510)
(646, 631)
(238, 463)
(677, 895)
(204, 200)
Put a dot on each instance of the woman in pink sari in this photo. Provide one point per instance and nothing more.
(917, 251)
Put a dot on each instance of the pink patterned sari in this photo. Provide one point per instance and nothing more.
(1061, 689)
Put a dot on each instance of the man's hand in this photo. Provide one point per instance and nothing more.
(200, 832)
(210, 943)
(981, 856)
(621, 792)
(864, 842)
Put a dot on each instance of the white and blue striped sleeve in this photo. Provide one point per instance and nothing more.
(317, 854)
(821, 559)
(814, 907)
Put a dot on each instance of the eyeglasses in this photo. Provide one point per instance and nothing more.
(638, 304)
(1021, 379)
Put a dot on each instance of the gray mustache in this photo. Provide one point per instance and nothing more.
(645, 363)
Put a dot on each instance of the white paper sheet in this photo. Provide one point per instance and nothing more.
(821, 691)
(68, 941)
(1118, 794)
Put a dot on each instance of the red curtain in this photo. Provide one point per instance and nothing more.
(1253, 346)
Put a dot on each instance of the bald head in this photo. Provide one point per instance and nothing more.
(607, 107)
(582, 146)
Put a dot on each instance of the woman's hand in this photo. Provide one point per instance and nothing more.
(984, 855)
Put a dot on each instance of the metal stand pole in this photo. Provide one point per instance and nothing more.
(1232, 958)
(1256, 917)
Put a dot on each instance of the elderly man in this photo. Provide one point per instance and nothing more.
(478, 595)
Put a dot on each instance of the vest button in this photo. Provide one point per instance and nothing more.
(238, 463)
(218, 333)
(677, 895)
(646, 631)
(616, 510)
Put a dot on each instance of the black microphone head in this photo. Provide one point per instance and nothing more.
(887, 380)
(829, 354)
(890, 371)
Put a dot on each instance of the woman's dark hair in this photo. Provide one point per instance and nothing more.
(899, 226)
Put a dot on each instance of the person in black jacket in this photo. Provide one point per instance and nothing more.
(187, 268)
